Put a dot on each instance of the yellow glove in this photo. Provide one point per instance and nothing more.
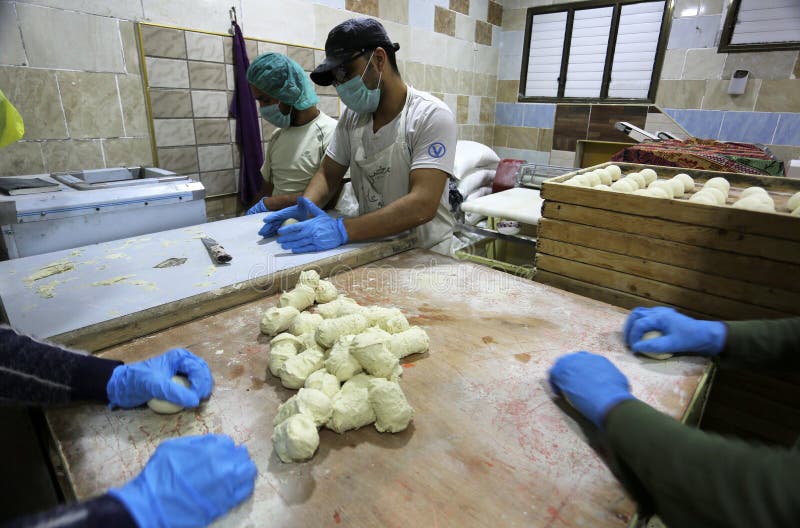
(11, 126)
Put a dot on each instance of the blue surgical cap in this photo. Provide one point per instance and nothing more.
(283, 79)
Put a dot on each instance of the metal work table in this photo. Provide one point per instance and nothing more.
(488, 445)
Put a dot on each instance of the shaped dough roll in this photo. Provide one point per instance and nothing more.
(305, 323)
(309, 278)
(340, 362)
(301, 297)
(325, 292)
(295, 439)
(167, 407)
(413, 341)
(331, 329)
(282, 347)
(351, 410)
(277, 320)
(359, 381)
(391, 408)
(323, 381)
(313, 403)
(686, 180)
(391, 320)
(371, 351)
(296, 369)
(649, 176)
(338, 307)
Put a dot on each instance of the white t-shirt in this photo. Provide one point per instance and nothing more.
(294, 154)
(431, 134)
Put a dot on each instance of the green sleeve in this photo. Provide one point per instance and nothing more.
(765, 343)
(692, 478)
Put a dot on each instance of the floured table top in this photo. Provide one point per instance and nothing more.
(489, 446)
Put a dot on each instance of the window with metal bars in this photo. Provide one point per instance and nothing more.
(595, 51)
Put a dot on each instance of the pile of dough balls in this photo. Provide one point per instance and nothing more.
(344, 358)
(644, 182)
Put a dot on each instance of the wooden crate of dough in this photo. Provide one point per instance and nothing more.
(718, 261)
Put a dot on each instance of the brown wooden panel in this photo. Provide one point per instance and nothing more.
(760, 271)
(738, 290)
(571, 124)
(603, 118)
(607, 295)
(695, 235)
(655, 290)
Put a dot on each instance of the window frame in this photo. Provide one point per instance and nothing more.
(728, 27)
(666, 24)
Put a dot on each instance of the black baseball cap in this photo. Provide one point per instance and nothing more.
(347, 41)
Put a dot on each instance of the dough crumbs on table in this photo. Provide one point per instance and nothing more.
(54, 268)
(325, 354)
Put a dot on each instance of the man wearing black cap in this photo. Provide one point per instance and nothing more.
(399, 144)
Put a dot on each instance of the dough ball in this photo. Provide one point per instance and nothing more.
(793, 202)
(289, 221)
(301, 297)
(602, 187)
(164, 406)
(359, 381)
(604, 175)
(574, 182)
(413, 341)
(752, 203)
(391, 320)
(638, 178)
(340, 362)
(311, 402)
(296, 369)
(796, 212)
(652, 335)
(295, 439)
(593, 178)
(719, 196)
(688, 182)
(649, 176)
(277, 320)
(642, 192)
(322, 380)
(623, 186)
(338, 307)
(719, 183)
(664, 186)
(677, 188)
(351, 410)
(325, 292)
(396, 324)
(305, 322)
(309, 278)
(331, 329)
(763, 198)
(751, 191)
(392, 411)
(371, 351)
(657, 192)
(615, 172)
(703, 198)
(282, 347)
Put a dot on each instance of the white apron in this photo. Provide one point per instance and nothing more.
(384, 177)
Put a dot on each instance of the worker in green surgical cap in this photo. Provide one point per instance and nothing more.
(295, 150)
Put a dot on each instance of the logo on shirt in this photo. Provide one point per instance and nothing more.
(437, 150)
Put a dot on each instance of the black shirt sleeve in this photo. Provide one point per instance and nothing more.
(768, 343)
(693, 478)
(100, 512)
(39, 373)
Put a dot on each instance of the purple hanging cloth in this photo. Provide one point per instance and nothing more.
(248, 130)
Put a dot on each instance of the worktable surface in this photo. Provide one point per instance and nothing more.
(489, 444)
(117, 278)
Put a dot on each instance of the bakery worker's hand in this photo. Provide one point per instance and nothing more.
(318, 233)
(259, 207)
(679, 333)
(590, 383)
(273, 222)
(189, 481)
(137, 383)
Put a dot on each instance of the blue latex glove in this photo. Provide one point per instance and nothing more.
(680, 333)
(189, 481)
(273, 221)
(318, 233)
(590, 383)
(259, 207)
(137, 383)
